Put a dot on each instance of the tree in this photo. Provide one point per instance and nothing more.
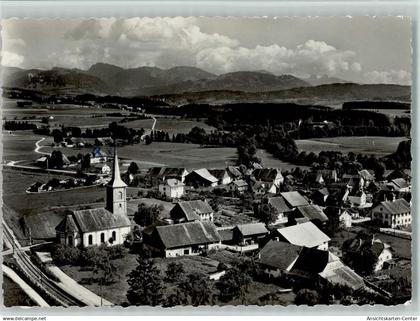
(177, 297)
(133, 168)
(235, 283)
(197, 287)
(147, 215)
(247, 149)
(85, 162)
(306, 297)
(174, 272)
(58, 136)
(267, 213)
(56, 159)
(145, 284)
(64, 254)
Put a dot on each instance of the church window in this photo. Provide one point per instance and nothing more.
(102, 237)
(114, 235)
(90, 239)
(120, 195)
(70, 240)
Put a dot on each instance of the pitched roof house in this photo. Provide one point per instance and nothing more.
(245, 234)
(393, 213)
(294, 199)
(190, 238)
(304, 234)
(311, 212)
(201, 178)
(222, 175)
(187, 211)
(268, 175)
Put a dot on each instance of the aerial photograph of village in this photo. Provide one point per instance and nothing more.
(206, 161)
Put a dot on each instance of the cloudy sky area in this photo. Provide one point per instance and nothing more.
(363, 49)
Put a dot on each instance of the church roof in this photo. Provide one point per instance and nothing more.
(67, 225)
(98, 219)
(116, 180)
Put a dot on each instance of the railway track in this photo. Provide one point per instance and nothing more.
(38, 278)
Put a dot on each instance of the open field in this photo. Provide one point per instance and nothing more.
(20, 145)
(376, 145)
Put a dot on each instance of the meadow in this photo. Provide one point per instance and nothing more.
(371, 145)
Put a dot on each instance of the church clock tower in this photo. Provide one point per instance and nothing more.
(116, 201)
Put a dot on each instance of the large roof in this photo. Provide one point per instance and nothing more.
(172, 182)
(279, 254)
(294, 198)
(233, 171)
(252, 229)
(312, 212)
(205, 174)
(305, 234)
(186, 234)
(99, 219)
(398, 206)
(116, 180)
(266, 174)
(166, 171)
(279, 204)
(192, 209)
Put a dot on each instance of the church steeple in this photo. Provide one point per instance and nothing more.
(116, 191)
(116, 180)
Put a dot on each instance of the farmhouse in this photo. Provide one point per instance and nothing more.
(98, 226)
(191, 238)
(222, 176)
(305, 234)
(399, 185)
(277, 258)
(271, 176)
(395, 213)
(234, 172)
(157, 175)
(247, 234)
(294, 199)
(380, 250)
(188, 211)
(201, 178)
(279, 205)
(311, 213)
(172, 188)
(239, 186)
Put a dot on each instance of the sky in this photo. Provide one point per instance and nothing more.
(359, 49)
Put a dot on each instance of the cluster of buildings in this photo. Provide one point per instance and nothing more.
(295, 243)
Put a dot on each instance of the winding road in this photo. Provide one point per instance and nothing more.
(38, 147)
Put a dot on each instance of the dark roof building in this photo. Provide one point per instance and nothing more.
(187, 211)
(294, 199)
(279, 255)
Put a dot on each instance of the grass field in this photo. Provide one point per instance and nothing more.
(376, 145)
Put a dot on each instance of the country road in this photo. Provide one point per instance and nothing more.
(152, 129)
(38, 147)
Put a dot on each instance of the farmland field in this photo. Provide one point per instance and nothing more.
(376, 145)
(13, 295)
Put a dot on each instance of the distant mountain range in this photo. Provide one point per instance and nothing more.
(192, 84)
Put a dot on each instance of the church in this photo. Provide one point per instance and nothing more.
(109, 225)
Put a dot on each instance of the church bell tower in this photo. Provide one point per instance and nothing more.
(116, 201)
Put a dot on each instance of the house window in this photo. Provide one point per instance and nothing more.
(90, 239)
(102, 237)
(186, 252)
(114, 235)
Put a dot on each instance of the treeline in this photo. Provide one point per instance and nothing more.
(19, 125)
(376, 105)
(114, 131)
